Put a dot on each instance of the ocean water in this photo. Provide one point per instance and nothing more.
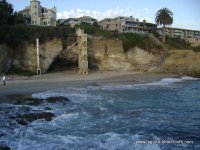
(155, 116)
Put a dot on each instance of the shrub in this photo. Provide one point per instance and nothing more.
(196, 49)
(131, 40)
(93, 29)
(17, 35)
(177, 43)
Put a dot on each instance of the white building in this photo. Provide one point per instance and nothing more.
(188, 35)
(35, 14)
(74, 21)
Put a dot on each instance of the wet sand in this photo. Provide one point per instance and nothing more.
(20, 87)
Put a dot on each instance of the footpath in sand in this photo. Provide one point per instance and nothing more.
(25, 86)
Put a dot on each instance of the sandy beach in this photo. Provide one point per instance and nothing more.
(20, 86)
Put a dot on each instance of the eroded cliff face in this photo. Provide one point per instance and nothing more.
(25, 58)
(109, 55)
(105, 54)
(4, 61)
(48, 52)
(183, 62)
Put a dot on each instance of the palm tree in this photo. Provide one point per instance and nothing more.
(164, 17)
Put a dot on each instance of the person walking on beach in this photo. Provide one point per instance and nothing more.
(4, 79)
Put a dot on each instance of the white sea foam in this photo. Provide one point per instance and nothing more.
(50, 93)
(162, 82)
(168, 81)
(109, 140)
(112, 141)
(76, 95)
(122, 141)
(120, 87)
(70, 139)
(63, 119)
(189, 78)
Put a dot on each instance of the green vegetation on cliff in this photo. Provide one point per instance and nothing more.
(142, 41)
(177, 43)
(94, 29)
(131, 40)
(14, 36)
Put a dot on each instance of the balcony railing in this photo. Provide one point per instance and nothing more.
(48, 15)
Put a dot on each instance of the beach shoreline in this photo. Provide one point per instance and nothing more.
(19, 87)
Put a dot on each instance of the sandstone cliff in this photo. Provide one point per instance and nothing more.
(109, 55)
(105, 54)
(25, 58)
(4, 61)
(183, 62)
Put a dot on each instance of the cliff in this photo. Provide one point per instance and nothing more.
(25, 58)
(183, 62)
(4, 61)
(109, 55)
(103, 54)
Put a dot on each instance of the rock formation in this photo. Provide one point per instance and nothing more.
(103, 54)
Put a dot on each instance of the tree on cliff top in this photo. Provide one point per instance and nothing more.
(164, 17)
(6, 11)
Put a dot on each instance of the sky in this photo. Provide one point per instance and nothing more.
(186, 13)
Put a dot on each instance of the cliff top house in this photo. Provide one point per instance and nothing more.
(36, 14)
(127, 24)
(188, 35)
(74, 21)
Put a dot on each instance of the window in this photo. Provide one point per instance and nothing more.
(48, 22)
(35, 21)
(35, 6)
(35, 14)
(45, 23)
(32, 21)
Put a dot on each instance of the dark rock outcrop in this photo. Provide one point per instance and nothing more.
(47, 116)
(47, 108)
(22, 122)
(2, 134)
(36, 101)
(5, 61)
(29, 101)
(4, 147)
(30, 117)
(33, 101)
(57, 99)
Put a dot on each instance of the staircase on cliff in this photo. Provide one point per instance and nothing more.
(162, 55)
